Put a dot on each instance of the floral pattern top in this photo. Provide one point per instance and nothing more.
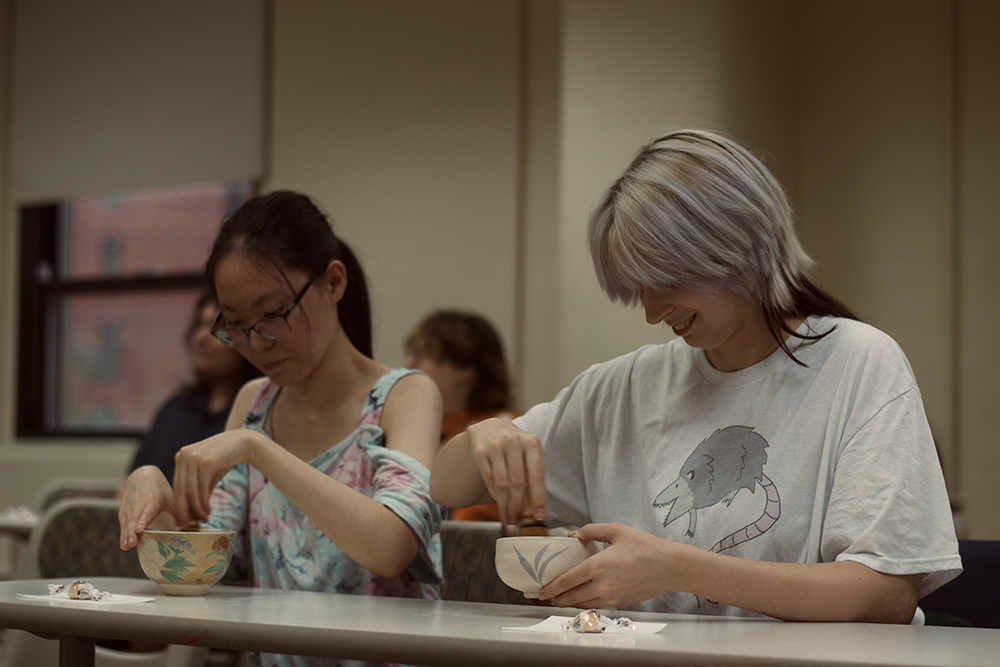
(288, 551)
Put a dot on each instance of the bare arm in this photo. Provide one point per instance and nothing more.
(492, 459)
(367, 531)
(411, 418)
(146, 495)
(638, 566)
(455, 479)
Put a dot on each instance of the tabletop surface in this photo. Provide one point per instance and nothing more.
(457, 633)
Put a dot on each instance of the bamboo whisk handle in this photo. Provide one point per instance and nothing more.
(529, 525)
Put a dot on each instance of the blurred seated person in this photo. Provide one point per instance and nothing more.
(199, 410)
(463, 354)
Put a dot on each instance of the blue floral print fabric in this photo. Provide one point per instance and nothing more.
(288, 551)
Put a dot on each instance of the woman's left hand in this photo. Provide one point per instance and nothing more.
(636, 566)
(199, 467)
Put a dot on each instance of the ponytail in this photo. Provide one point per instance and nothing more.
(354, 309)
(288, 231)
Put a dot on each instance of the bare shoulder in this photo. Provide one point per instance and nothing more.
(413, 391)
(411, 418)
(238, 413)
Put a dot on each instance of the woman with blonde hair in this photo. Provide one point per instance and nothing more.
(773, 460)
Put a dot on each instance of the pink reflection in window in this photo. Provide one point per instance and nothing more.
(149, 232)
(121, 356)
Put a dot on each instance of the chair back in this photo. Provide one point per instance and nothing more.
(469, 560)
(974, 595)
(78, 538)
(61, 488)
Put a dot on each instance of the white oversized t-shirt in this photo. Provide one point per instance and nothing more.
(776, 462)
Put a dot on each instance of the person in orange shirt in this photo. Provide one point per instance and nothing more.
(463, 354)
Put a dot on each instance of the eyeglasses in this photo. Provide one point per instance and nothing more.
(272, 327)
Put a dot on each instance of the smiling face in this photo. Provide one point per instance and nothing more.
(250, 291)
(728, 326)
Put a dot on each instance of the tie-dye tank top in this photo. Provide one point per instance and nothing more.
(288, 551)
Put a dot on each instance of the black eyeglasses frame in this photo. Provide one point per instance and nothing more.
(222, 333)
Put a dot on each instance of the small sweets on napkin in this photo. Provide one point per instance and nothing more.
(591, 622)
(79, 590)
(83, 592)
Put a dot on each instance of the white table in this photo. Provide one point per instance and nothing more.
(455, 633)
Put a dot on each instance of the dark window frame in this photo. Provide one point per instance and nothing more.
(41, 288)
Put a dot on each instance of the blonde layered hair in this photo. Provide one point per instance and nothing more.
(697, 210)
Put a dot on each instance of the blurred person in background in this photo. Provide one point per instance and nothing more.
(463, 354)
(200, 409)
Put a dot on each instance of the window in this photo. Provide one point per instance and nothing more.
(108, 285)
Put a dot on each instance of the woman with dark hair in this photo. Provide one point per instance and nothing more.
(463, 354)
(200, 409)
(324, 466)
(772, 460)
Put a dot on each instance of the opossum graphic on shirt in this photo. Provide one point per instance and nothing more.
(727, 461)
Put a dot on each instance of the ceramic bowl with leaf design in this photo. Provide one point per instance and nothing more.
(529, 563)
(185, 562)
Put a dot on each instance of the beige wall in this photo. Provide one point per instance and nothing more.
(632, 70)
(460, 146)
(875, 133)
(105, 96)
(8, 257)
(537, 345)
(898, 144)
(401, 118)
(977, 389)
(118, 94)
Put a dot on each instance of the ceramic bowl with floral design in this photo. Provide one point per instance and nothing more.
(529, 563)
(185, 562)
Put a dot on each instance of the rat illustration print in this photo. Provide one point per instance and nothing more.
(730, 459)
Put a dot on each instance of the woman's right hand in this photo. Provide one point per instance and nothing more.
(510, 462)
(147, 493)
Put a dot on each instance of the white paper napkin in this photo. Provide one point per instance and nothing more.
(556, 623)
(65, 598)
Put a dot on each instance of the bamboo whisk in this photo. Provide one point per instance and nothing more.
(529, 525)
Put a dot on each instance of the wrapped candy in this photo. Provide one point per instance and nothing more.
(79, 590)
(592, 622)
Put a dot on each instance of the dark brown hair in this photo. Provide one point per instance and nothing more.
(465, 339)
(288, 231)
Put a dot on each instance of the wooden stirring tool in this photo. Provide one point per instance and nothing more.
(529, 525)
